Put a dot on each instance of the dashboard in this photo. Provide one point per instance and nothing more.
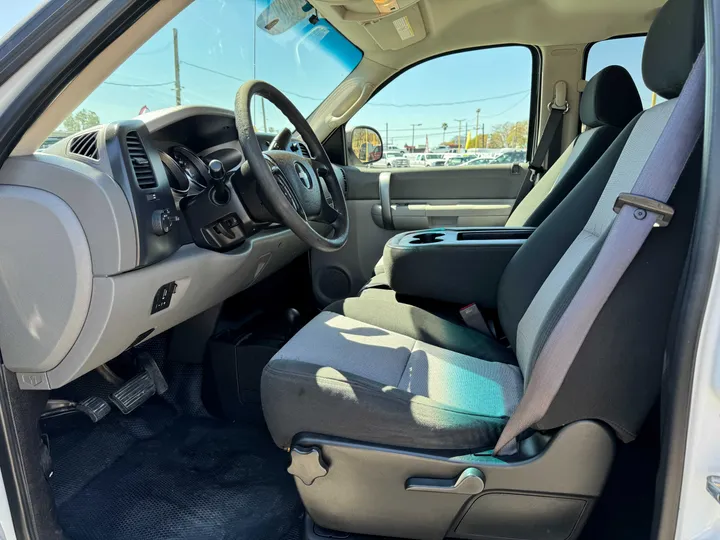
(105, 251)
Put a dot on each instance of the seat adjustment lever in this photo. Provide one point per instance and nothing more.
(470, 482)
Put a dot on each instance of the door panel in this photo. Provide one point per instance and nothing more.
(414, 199)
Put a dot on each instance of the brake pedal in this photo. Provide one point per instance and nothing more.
(140, 388)
(96, 408)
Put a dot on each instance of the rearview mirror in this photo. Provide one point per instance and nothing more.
(281, 15)
(366, 145)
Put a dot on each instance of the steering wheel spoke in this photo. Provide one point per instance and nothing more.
(328, 214)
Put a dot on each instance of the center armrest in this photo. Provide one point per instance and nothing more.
(459, 265)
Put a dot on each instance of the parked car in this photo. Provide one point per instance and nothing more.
(392, 160)
(515, 156)
(427, 160)
(478, 161)
(459, 160)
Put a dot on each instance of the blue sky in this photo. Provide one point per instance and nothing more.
(219, 48)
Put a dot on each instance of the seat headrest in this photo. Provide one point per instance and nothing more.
(610, 98)
(672, 45)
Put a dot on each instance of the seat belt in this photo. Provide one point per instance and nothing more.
(558, 107)
(638, 212)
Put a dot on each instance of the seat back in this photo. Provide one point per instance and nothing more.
(616, 375)
(610, 101)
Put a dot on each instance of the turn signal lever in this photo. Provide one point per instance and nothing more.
(219, 190)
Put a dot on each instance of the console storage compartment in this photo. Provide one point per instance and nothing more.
(424, 263)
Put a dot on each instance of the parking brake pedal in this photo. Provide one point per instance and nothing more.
(140, 388)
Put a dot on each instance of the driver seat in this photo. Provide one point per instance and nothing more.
(388, 409)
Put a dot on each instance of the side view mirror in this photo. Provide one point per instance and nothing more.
(366, 145)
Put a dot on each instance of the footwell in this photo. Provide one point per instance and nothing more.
(157, 474)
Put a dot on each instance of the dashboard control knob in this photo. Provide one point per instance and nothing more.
(163, 221)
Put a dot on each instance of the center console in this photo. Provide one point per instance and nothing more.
(458, 265)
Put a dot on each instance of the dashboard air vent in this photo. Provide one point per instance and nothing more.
(140, 162)
(85, 145)
(304, 149)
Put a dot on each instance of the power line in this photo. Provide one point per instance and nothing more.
(288, 92)
(508, 109)
(478, 100)
(129, 85)
(525, 93)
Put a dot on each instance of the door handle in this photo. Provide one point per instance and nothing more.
(515, 169)
(470, 482)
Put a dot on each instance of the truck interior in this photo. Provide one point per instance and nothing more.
(213, 329)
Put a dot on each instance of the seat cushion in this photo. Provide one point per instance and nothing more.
(430, 321)
(343, 377)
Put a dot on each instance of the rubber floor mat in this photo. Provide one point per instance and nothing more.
(156, 474)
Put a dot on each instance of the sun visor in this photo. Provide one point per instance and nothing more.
(398, 29)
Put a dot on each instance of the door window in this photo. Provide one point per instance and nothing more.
(472, 102)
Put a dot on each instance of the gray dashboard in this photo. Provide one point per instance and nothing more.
(83, 263)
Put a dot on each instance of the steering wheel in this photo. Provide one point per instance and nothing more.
(291, 183)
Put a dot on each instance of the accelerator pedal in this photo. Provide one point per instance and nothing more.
(139, 389)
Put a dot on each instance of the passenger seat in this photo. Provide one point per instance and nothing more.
(610, 101)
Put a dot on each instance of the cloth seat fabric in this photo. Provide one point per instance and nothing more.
(354, 377)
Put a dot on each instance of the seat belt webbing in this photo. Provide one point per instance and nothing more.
(638, 212)
(535, 169)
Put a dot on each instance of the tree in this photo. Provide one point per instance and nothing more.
(82, 119)
(509, 135)
(444, 128)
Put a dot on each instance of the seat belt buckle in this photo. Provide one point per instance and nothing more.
(472, 318)
(643, 205)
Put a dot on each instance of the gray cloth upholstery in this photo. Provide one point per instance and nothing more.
(672, 45)
(339, 376)
(383, 309)
(610, 98)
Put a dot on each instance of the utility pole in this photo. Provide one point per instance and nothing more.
(477, 124)
(483, 139)
(387, 133)
(413, 135)
(178, 99)
(262, 104)
(459, 133)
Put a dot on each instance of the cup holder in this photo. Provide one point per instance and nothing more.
(427, 238)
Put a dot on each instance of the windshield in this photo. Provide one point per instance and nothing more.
(209, 49)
